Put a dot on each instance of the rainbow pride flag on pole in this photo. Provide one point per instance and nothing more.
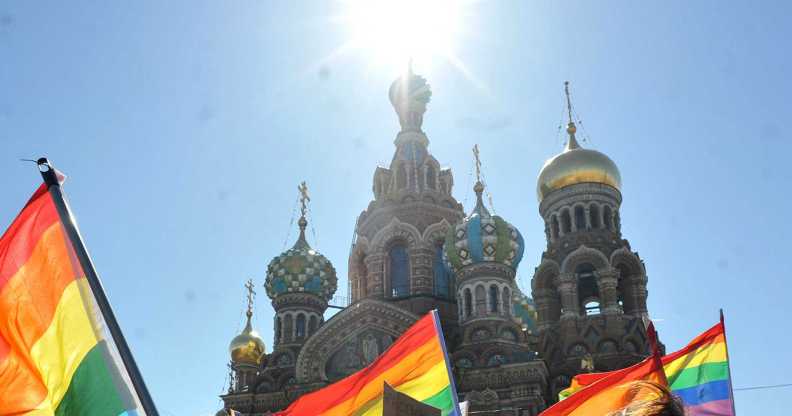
(416, 365)
(55, 357)
(699, 374)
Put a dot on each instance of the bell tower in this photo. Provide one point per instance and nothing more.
(590, 287)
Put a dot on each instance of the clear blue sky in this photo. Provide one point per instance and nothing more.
(185, 128)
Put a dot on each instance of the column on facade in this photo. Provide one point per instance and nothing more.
(376, 275)
(609, 295)
(422, 273)
(569, 296)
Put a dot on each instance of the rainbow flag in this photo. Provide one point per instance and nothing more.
(698, 374)
(54, 357)
(416, 365)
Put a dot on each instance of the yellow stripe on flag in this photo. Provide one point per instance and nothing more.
(62, 347)
(705, 354)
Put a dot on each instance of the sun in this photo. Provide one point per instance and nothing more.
(393, 32)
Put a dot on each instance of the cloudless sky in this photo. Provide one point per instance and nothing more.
(185, 127)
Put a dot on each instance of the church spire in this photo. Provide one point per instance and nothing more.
(571, 128)
(480, 209)
(303, 222)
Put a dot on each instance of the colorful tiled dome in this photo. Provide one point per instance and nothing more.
(301, 269)
(482, 237)
(523, 311)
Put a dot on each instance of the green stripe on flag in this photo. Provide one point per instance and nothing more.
(442, 400)
(92, 391)
(704, 373)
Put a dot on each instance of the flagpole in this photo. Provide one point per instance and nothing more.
(53, 185)
(728, 361)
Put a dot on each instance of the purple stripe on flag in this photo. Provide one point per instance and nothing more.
(714, 408)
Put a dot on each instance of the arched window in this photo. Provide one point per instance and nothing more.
(288, 326)
(506, 301)
(594, 215)
(300, 327)
(566, 221)
(616, 220)
(312, 323)
(431, 181)
(493, 299)
(401, 177)
(607, 217)
(554, 226)
(481, 301)
(468, 303)
(588, 289)
(399, 270)
(624, 289)
(277, 329)
(580, 218)
(442, 276)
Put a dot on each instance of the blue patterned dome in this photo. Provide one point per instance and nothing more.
(523, 311)
(482, 237)
(301, 269)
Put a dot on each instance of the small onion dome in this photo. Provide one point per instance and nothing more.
(523, 311)
(301, 269)
(247, 347)
(576, 165)
(482, 237)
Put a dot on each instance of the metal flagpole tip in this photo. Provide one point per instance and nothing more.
(43, 164)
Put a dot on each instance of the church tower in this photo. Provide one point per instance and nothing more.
(397, 255)
(247, 351)
(590, 287)
(300, 282)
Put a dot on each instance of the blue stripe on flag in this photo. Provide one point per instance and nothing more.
(707, 392)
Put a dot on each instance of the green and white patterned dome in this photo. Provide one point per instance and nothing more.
(482, 237)
(301, 269)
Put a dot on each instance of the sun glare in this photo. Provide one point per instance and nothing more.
(392, 32)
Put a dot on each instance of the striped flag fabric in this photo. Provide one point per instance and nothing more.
(698, 374)
(416, 364)
(54, 356)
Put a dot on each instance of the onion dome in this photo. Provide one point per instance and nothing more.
(247, 347)
(523, 311)
(301, 269)
(482, 237)
(576, 165)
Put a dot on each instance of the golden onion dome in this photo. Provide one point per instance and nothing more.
(247, 347)
(576, 165)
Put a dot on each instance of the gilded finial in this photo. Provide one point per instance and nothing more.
(571, 128)
(304, 199)
(251, 295)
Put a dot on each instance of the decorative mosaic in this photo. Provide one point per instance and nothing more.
(301, 269)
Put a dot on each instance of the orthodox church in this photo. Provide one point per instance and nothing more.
(417, 249)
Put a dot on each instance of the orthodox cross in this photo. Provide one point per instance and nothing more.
(304, 198)
(477, 158)
(250, 295)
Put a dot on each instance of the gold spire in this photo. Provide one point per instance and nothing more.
(571, 128)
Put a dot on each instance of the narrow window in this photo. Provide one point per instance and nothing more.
(300, 327)
(554, 226)
(312, 323)
(399, 271)
(594, 214)
(566, 221)
(468, 303)
(481, 301)
(493, 298)
(580, 218)
(430, 178)
(277, 330)
(442, 278)
(506, 301)
(607, 217)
